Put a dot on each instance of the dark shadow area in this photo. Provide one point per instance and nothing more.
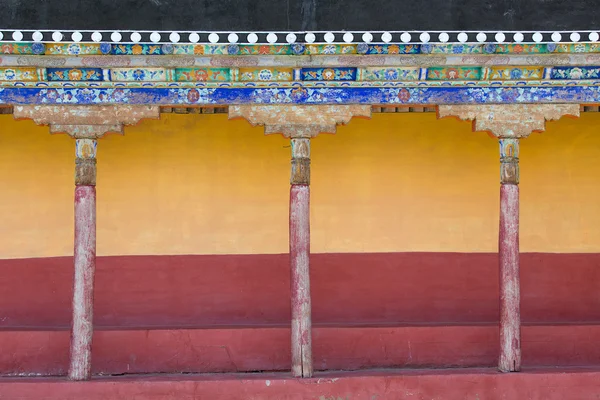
(261, 15)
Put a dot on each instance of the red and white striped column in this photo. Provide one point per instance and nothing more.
(82, 326)
(508, 249)
(300, 258)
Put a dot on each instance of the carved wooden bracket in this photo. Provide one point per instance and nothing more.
(299, 121)
(509, 123)
(86, 122)
(509, 120)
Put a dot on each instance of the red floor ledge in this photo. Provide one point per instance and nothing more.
(452, 384)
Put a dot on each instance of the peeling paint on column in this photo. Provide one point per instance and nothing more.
(300, 123)
(510, 308)
(82, 329)
(300, 280)
(85, 124)
(509, 123)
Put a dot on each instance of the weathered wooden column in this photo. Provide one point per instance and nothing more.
(509, 123)
(299, 257)
(299, 123)
(86, 124)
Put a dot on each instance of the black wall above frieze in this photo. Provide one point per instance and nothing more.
(283, 15)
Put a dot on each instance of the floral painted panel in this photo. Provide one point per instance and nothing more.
(17, 48)
(316, 49)
(266, 74)
(265, 49)
(392, 49)
(518, 48)
(516, 73)
(328, 74)
(452, 48)
(200, 49)
(453, 73)
(138, 74)
(74, 74)
(136, 49)
(203, 74)
(575, 73)
(389, 74)
(574, 47)
(74, 49)
(19, 74)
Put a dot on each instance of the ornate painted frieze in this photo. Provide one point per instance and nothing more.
(203, 75)
(136, 49)
(20, 48)
(129, 49)
(139, 74)
(389, 49)
(575, 73)
(266, 74)
(574, 47)
(75, 74)
(21, 74)
(389, 74)
(326, 68)
(276, 50)
(454, 73)
(517, 48)
(516, 73)
(328, 74)
(453, 48)
(328, 49)
(73, 49)
(304, 95)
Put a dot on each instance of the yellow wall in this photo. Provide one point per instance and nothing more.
(200, 184)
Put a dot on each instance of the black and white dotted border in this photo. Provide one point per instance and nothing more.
(408, 37)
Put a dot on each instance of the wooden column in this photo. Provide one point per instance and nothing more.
(86, 124)
(509, 123)
(300, 123)
(508, 248)
(82, 328)
(299, 258)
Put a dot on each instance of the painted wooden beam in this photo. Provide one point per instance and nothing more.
(300, 258)
(82, 326)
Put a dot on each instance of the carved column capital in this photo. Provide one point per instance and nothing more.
(509, 161)
(509, 120)
(86, 122)
(299, 121)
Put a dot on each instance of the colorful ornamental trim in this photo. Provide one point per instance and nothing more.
(279, 37)
(303, 95)
(253, 75)
(294, 49)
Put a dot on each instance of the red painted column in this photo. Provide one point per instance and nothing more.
(299, 258)
(508, 247)
(82, 326)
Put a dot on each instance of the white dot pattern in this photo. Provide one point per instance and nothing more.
(290, 37)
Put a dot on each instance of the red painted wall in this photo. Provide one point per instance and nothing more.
(389, 288)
